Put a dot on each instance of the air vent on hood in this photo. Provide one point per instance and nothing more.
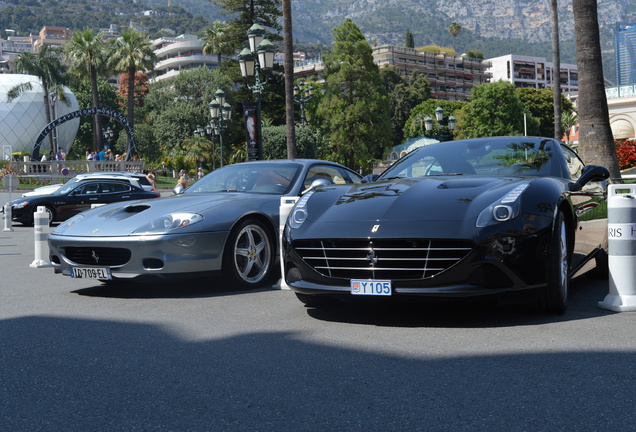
(136, 208)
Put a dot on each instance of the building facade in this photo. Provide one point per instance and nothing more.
(451, 77)
(12, 47)
(534, 72)
(51, 35)
(180, 53)
(621, 102)
(625, 53)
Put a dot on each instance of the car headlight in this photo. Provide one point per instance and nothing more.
(169, 222)
(20, 205)
(300, 212)
(61, 228)
(504, 209)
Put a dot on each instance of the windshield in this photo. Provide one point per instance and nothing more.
(507, 156)
(274, 178)
(66, 187)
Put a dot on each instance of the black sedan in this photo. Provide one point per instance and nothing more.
(489, 216)
(74, 198)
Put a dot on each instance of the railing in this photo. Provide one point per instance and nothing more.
(620, 91)
(57, 170)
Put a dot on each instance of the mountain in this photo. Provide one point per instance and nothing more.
(496, 27)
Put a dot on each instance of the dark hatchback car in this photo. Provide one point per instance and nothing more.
(72, 199)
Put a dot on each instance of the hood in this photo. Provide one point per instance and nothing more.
(125, 218)
(447, 198)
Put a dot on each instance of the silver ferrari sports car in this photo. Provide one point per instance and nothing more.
(226, 222)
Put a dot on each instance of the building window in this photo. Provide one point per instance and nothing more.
(524, 70)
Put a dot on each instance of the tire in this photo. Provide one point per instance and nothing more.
(51, 213)
(554, 300)
(315, 300)
(248, 258)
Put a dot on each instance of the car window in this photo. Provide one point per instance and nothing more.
(275, 178)
(574, 163)
(334, 175)
(508, 156)
(114, 187)
(88, 188)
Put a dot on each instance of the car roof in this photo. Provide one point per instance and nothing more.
(110, 174)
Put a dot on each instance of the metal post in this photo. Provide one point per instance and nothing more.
(41, 232)
(7, 218)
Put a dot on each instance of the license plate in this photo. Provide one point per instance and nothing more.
(371, 287)
(91, 273)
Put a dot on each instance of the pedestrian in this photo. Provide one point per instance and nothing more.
(150, 175)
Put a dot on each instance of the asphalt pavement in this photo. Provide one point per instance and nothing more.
(198, 356)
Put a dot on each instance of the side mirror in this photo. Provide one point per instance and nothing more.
(316, 184)
(178, 189)
(591, 173)
(370, 178)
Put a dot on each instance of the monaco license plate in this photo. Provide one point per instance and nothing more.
(91, 273)
(371, 287)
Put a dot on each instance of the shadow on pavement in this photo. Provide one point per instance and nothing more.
(162, 288)
(469, 313)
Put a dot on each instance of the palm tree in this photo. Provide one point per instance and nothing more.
(47, 66)
(216, 40)
(289, 79)
(454, 30)
(568, 119)
(133, 52)
(87, 53)
(556, 74)
(596, 142)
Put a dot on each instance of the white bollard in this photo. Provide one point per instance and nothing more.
(7, 218)
(286, 205)
(41, 231)
(621, 242)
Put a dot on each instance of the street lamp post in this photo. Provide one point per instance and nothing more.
(199, 132)
(254, 61)
(303, 95)
(445, 126)
(220, 113)
(108, 134)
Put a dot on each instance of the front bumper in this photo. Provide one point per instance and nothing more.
(127, 256)
(499, 262)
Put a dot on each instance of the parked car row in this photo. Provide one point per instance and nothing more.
(80, 193)
(136, 179)
(503, 216)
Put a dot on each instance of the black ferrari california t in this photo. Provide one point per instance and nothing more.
(487, 216)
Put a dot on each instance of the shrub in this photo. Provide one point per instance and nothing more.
(626, 153)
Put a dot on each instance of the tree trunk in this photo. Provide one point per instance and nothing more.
(47, 112)
(556, 62)
(131, 108)
(97, 121)
(596, 142)
(289, 79)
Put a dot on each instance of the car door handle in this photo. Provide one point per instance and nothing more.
(93, 199)
(125, 196)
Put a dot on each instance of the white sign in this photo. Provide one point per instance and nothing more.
(624, 231)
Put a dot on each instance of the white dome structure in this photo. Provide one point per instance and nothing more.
(24, 118)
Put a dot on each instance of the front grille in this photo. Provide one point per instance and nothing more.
(97, 256)
(402, 259)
